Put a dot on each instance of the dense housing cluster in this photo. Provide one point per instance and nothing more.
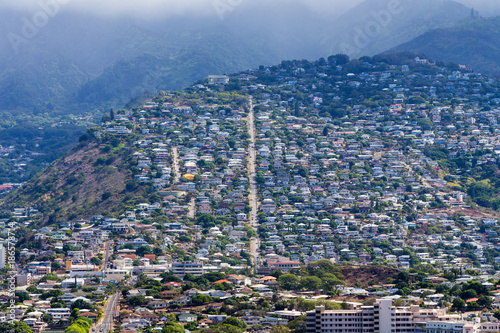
(370, 183)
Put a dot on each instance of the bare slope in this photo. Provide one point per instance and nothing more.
(363, 275)
(93, 178)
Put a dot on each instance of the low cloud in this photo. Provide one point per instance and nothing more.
(485, 7)
(117, 7)
(165, 8)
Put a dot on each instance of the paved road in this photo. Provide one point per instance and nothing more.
(192, 208)
(422, 179)
(254, 242)
(107, 249)
(106, 324)
(175, 156)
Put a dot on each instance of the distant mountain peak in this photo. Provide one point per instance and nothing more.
(472, 42)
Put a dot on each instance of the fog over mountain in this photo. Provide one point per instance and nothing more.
(59, 56)
(168, 8)
(473, 43)
(486, 8)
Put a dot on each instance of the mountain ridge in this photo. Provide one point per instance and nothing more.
(93, 176)
(472, 43)
(190, 48)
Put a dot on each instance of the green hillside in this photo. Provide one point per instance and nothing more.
(375, 26)
(474, 43)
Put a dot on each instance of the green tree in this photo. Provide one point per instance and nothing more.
(298, 325)
(201, 299)
(74, 313)
(169, 277)
(311, 283)
(256, 328)
(81, 304)
(485, 301)
(280, 329)
(192, 325)
(468, 294)
(137, 300)
(51, 293)
(142, 250)
(235, 322)
(201, 164)
(171, 317)
(458, 303)
(15, 327)
(171, 327)
(33, 290)
(96, 261)
(403, 277)
(80, 325)
(330, 282)
(323, 266)
(23, 296)
(125, 291)
(479, 189)
(223, 329)
(213, 276)
(288, 281)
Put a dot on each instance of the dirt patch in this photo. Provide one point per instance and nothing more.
(362, 276)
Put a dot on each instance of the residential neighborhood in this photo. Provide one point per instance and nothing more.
(281, 199)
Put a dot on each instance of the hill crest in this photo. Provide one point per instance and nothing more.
(94, 176)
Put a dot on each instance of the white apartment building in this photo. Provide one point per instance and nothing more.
(59, 314)
(116, 275)
(383, 317)
(182, 268)
(461, 327)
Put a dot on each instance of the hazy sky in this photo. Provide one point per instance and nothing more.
(206, 7)
(485, 7)
(171, 7)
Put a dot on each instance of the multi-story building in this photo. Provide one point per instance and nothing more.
(59, 314)
(182, 268)
(383, 317)
(43, 270)
(116, 275)
(358, 320)
(388, 318)
(284, 266)
(23, 279)
(458, 326)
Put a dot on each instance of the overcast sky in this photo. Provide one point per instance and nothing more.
(171, 7)
(206, 7)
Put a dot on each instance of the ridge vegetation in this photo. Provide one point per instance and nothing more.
(94, 176)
